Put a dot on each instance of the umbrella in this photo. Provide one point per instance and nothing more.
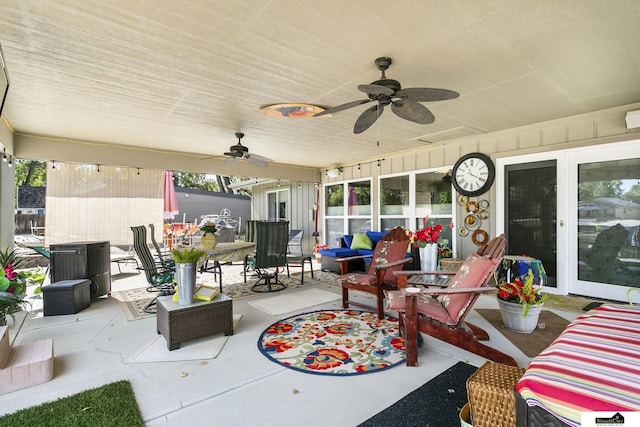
(170, 199)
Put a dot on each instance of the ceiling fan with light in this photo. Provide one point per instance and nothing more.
(239, 151)
(405, 103)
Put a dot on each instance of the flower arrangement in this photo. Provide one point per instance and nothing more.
(428, 234)
(208, 227)
(523, 293)
(317, 248)
(13, 284)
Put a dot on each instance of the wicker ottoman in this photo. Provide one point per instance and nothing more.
(491, 391)
(179, 323)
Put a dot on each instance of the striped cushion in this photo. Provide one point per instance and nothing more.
(594, 365)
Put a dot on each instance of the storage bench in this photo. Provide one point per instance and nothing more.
(66, 297)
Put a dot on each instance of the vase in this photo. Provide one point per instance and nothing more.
(186, 279)
(512, 316)
(208, 241)
(429, 259)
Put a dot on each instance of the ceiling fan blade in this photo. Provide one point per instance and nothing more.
(229, 161)
(412, 111)
(258, 157)
(368, 118)
(372, 89)
(250, 158)
(426, 94)
(342, 107)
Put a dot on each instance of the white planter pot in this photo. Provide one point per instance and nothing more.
(429, 259)
(512, 316)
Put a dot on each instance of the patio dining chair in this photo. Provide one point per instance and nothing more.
(163, 256)
(441, 312)
(159, 278)
(270, 255)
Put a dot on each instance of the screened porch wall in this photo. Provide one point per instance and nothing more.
(83, 204)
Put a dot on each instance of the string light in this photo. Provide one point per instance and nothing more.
(138, 171)
(10, 162)
(4, 158)
(358, 167)
(98, 168)
(53, 164)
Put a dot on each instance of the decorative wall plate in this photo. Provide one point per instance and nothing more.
(463, 231)
(472, 222)
(472, 207)
(479, 237)
(483, 214)
(484, 203)
(462, 200)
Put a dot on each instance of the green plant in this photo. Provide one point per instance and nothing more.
(13, 283)
(208, 227)
(185, 255)
(524, 293)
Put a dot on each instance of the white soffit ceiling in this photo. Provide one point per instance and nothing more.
(186, 75)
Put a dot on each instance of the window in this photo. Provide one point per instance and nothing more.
(405, 200)
(278, 205)
(347, 207)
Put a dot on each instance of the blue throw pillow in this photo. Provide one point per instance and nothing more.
(375, 236)
(347, 238)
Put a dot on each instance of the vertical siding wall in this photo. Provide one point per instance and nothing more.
(302, 200)
(600, 127)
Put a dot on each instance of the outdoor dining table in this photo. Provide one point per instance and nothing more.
(225, 253)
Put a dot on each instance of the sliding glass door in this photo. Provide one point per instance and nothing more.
(606, 221)
(579, 212)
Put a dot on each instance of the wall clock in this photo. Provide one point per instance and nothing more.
(473, 174)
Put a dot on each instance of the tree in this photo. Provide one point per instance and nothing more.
(30, 172)
(201, 181)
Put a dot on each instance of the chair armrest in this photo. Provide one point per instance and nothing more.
(159, 268)
(450, 291)
(353, 258)
(393, 264)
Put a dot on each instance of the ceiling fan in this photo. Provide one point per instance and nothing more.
(239, 151)
(405, 103)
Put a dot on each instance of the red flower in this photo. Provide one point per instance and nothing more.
(428, 234)
(9, 272)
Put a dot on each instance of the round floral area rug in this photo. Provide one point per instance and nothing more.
(334, 342)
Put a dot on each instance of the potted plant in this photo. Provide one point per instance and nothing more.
(13, 284)
(316, 250)
(186, 264)
(208, 235)
(520, 304)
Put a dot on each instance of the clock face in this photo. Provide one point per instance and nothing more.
(473, 174)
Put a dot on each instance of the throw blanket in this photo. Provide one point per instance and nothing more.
(592, 366)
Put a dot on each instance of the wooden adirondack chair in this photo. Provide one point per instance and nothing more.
(441, 312)
(389, 256)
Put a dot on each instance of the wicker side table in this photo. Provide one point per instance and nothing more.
(179, 323)
(491, 391)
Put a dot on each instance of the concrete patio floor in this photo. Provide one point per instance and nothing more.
(240, 387)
